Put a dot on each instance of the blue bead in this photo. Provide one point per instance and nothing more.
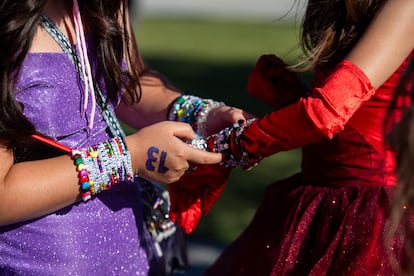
(85, 185)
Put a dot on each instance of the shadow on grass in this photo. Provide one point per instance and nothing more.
(227, 82)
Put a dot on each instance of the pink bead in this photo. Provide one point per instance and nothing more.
(86, 196)
(83, 173)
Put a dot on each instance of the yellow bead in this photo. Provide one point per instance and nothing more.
(81, 167)
(93, 154)
(180, 113)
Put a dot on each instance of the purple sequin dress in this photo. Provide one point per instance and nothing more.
(104, 236)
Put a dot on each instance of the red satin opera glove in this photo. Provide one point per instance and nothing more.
(311, 119)
(272, 82)
(195, 193)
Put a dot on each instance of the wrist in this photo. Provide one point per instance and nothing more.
(192, 110)
(101, 166)
(228, 142)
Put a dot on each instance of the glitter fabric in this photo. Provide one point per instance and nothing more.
(104, 236)
(328, 219)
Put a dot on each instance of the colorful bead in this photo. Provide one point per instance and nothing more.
(81, 167)
(101, 166)
(83, 178)
(221, 141)
(192, 110)
(86, 196)
(93, 154)
(85, 186)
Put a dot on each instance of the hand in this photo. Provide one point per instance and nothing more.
(158, 152)
(224, 116)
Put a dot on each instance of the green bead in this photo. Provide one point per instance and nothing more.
(79, 161)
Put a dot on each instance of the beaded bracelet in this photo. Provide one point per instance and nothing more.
(227, 142)
(101, 166)
(192, 110)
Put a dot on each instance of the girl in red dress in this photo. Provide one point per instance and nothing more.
(329, 219)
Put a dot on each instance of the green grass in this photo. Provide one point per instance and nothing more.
(213, 59)
(215, 41)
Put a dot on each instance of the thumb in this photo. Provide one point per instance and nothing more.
(183, 131)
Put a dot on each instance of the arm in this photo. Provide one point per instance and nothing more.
(158, 95)
(384, 46)
(156, 92)
(31, 189)
(387, 42)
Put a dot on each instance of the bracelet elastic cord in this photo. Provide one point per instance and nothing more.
(192, 110)
(101, 166)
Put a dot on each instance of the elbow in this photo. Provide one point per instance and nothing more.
(327, 121)
(330, 129)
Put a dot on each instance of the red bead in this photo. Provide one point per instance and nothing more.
(83, 178)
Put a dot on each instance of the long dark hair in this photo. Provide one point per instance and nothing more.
(19, 21)
(331, 28)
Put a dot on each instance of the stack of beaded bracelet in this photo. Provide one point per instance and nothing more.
(192, 110)
(101, 166)
(227, 141)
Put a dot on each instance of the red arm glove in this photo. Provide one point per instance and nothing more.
(272, 82)
(321, 115)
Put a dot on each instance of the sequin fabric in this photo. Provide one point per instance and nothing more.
(329, 218)
(104, 236)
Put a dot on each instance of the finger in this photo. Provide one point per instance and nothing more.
(248, 115)
(233, 115)
(203, 157)
(183, 131)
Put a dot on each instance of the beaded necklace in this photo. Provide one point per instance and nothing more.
(85, 75)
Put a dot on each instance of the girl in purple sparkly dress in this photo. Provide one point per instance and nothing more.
(70, 94)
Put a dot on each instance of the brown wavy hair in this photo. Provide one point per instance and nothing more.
(331, 28)
(19, 21)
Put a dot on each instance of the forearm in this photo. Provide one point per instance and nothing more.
(32, 189)
(37, 188)
(156, 98)
(311, 119)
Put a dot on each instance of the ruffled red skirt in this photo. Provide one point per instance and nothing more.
(308, 230)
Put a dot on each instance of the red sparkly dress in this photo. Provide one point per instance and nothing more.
(329, 218)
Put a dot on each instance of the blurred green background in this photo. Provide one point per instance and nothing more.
(212, 59)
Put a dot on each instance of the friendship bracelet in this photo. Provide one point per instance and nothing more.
(101, 166)
(236, 155)
(192, 110)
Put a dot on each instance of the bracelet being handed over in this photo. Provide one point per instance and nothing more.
(193, 110)
(227, 142)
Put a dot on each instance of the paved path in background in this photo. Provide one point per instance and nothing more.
(223, 8)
